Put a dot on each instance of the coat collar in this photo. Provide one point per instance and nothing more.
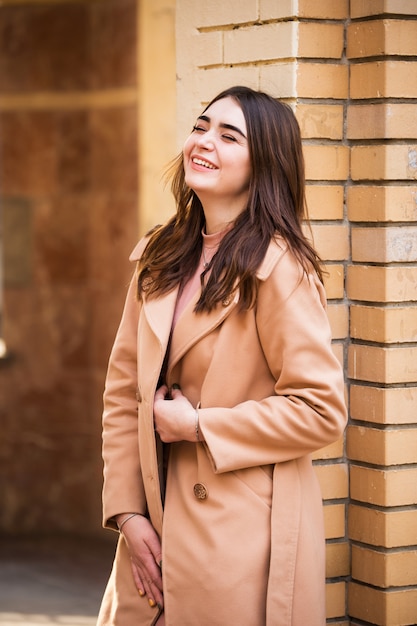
(159, 313)
(276, 249)
(190, 327)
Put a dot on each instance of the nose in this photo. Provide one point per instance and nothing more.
(205, 140)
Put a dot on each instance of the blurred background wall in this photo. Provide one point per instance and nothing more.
(71, 73)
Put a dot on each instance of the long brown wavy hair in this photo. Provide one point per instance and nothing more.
(276, 205)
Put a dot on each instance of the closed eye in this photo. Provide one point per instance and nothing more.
(200, 129)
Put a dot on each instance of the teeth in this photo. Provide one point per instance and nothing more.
(203, 163)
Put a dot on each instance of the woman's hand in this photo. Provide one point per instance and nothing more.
(146, 557)
(175, 418)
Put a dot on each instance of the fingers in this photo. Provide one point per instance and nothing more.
(161, 393)
(154, 546)
(149, 584)
(176, 391)
(166, 393)
(138, 579)
(145, 555)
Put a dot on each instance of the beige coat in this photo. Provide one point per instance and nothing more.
(250, 551)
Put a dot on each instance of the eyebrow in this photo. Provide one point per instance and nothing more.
(206, 118)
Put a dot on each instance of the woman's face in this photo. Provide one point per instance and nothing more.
(216, 156)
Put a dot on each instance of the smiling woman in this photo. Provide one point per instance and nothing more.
(217, 163)
(219, 387)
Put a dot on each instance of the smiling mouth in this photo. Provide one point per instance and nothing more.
(203, 163)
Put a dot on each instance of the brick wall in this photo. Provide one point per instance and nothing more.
(350, 72)
(382, 287)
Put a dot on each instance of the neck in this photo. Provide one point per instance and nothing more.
(219, 217)
(213, 228)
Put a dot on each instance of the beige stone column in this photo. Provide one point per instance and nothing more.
(157, 129)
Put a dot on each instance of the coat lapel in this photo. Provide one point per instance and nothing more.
(192, 327)
(159, 313)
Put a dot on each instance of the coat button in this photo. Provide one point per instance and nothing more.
(200, 491)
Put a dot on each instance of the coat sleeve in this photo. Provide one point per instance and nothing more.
(123, 488)
(307, 410)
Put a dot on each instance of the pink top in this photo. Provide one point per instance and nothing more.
(210, 246)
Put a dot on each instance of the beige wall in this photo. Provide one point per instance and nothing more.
(157, 108)
(352, 81)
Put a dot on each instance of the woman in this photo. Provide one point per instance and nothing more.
(221, 383)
